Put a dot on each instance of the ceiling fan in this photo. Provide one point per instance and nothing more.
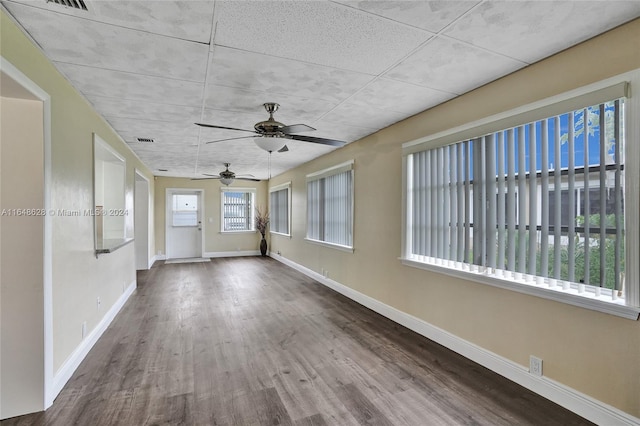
(272, 135)
(227, 176)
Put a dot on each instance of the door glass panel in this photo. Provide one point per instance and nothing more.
(185, 209)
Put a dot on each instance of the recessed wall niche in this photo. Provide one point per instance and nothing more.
(109, 175)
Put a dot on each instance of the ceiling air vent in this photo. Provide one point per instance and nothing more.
(75, 4)
(146, 140)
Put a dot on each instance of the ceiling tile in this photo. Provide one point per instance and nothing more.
(293, 110)
(123, 85)
(429, 15)
(317, 32)
(533, 30)
(142, 110)
(362, 115)
(83, 42)
(405, 98)
(189, 20)
(451, 66)
(174, 132)
(241, 69)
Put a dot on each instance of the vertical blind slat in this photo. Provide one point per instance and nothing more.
(533, 202)
(603, 198)
(491, 209)
(557, 214)
(571, 177)
(617, 195)
(511, 201)
(522, 203)
(544, 202)
(586, 197)
(501, 202)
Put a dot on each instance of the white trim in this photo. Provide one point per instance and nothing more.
(28, 84)
(77, 356)
(330, 171)
(281, 187)
(340, 247)
(286, 185)
(159, 257)
(571, 399)
(592, 94)
(587, 300)
(243, 253)
(253, 192)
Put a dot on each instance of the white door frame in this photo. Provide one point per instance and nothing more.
(167, 224)
(141, 244)
(49, 393)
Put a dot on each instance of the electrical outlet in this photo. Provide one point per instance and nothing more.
(279, 254)
(98, 302)
(84, 329)
(535, 366)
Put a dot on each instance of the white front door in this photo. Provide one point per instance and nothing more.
(184, 223)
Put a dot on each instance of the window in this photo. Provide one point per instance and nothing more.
(539, 204)
(237, 210)
(330, 206)
(279, 212)
(185, 209)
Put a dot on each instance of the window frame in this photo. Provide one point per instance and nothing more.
(251, 191)
(282, 187)
(347, 166)
(629, 307)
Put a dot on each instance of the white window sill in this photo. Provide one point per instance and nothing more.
(280, 233)
(250, 231)
(331, 245)
(549, 289)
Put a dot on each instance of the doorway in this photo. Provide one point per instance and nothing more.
(184, 227)
(26, 354)
(141, 221)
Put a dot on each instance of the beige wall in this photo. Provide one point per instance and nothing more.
(78, 277)
(21, 263)
(592, 352)
(215, 241)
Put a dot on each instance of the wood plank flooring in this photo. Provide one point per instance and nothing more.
(249, 341)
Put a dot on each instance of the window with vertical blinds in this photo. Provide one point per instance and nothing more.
(280, 209)
(237, 210)
(330, 206)
(541, 203)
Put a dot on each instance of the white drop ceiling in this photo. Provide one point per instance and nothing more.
(348, 68)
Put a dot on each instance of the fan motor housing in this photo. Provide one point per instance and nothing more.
(269, 127)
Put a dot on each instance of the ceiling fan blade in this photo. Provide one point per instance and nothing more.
(229, 139)
(244, 178)
(223, 127)
(284, 149)
(316, 140)
(213, 176)
(296, 128)
(205, 178)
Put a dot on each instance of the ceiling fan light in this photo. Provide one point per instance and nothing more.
(226, 181)
(270, 144)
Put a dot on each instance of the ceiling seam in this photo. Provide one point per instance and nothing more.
(124, 71)
(88, 18)
(214, 27)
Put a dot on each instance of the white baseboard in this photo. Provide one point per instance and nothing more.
(158, 257)
(231, 253)
(152, 261)
(71, 364)
(569, 398)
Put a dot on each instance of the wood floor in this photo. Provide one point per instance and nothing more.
(249, 341)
